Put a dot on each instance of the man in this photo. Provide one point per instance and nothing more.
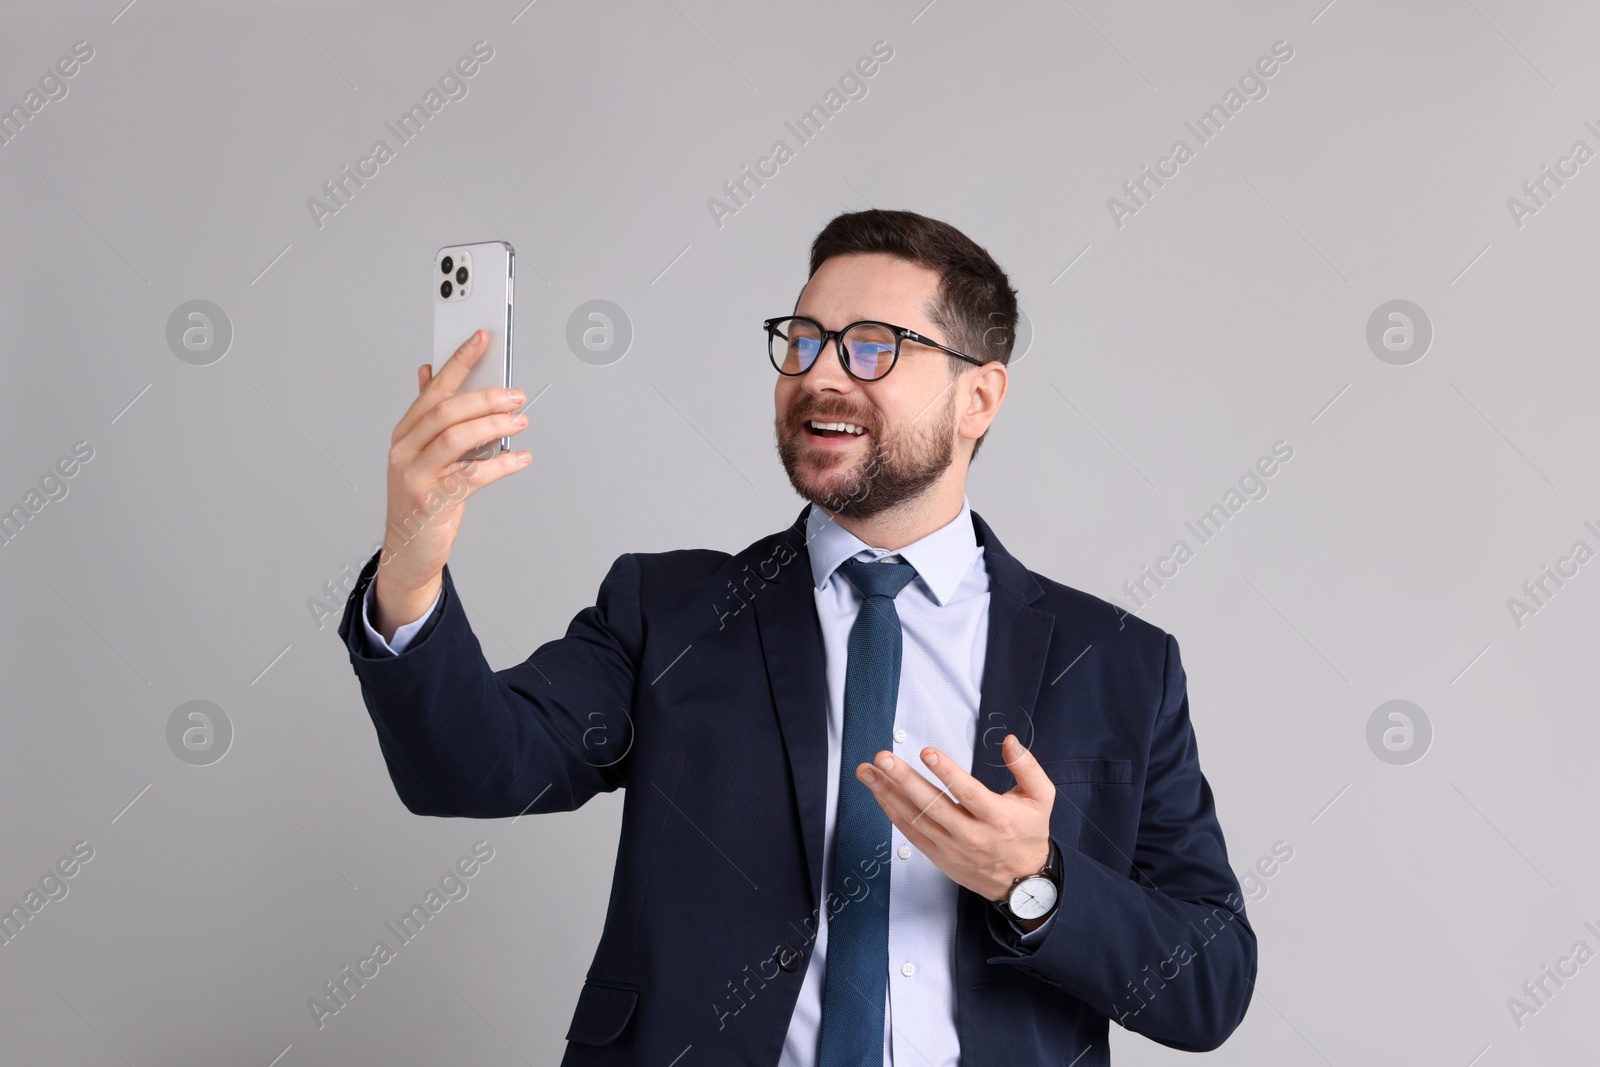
(893, 798)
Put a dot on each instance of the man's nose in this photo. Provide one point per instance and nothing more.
(827, 374)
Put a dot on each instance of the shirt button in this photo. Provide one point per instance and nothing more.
(899, 735)
(905, 852)
(908, 969)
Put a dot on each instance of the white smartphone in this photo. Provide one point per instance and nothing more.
(472, 290)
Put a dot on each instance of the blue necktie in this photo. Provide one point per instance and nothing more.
(857, 972)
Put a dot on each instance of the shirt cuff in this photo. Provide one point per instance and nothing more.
(1033, 937)
(402, 636)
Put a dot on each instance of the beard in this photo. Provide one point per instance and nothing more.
(895, 468)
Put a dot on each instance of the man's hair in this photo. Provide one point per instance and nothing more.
(975, 306)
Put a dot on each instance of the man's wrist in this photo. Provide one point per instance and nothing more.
(1011, 882)
(1050, 867)
(392, 611)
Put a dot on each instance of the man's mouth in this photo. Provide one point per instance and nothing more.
(833, 430)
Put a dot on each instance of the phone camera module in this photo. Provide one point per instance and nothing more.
(444, 288)
(461, 276)
(447, 264)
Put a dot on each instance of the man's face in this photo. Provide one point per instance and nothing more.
(909, 416)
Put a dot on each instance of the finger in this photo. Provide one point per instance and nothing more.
(454, 441)
(976, 798)
(455, 369)
(911, 799)
(424, 375)
(924, 835)
(453, 410)
(481, 472)
(466, 477)
(444, 383)
(1031, 778)
(915, 832)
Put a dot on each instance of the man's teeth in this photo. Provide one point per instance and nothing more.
(846, 427)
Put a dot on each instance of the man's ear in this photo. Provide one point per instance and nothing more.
(985, 387)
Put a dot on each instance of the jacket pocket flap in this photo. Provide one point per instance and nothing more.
(602, 1012)
(1080, 771)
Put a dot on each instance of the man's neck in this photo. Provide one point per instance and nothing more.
(898, 527)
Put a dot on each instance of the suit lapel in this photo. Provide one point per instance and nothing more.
(1013, 663)
(791, 645)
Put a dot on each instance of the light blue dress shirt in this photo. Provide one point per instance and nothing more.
(944, 618)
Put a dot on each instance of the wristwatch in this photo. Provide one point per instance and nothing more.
(1033, 895)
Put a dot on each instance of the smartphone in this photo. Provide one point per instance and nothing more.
(472, 290)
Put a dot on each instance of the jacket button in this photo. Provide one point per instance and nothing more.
(789, 959)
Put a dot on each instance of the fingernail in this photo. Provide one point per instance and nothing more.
(867, 775)
(520, 420)
(931, 758)
(517, 397)
(887, 763)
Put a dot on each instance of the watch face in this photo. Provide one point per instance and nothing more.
(1033, 897)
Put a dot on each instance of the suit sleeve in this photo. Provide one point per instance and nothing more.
(1164, 949)
(403, 635)
(461, 739)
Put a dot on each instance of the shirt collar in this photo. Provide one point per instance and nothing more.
(941, 558)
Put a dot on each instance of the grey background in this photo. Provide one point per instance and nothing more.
(1227, 314)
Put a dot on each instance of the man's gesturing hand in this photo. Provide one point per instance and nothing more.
(987, 840)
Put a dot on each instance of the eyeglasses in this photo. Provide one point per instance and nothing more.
(867, 349)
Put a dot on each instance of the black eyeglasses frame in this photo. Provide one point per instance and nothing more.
(901, 334)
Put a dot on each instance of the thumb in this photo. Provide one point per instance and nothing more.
(424, 376)
(1031, 778)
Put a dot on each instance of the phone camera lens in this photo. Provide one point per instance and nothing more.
(445, 288)
(461, 276)
(447, 264)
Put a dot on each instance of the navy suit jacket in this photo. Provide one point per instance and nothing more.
(696, 684)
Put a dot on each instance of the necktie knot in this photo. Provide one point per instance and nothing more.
(878, 579)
